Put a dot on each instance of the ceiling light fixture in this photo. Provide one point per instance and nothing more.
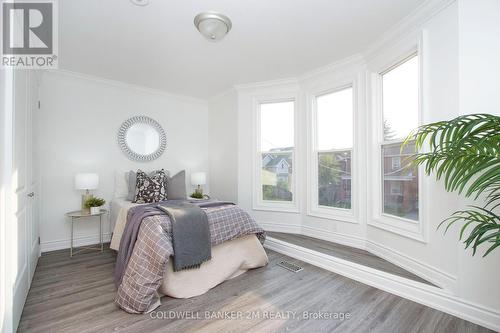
(213, 26)
(140, 2)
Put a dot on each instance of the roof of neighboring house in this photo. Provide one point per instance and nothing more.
(277, 160)
(277, 155)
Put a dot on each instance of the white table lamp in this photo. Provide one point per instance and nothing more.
(86, 182)
(198, 179)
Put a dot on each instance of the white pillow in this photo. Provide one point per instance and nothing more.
(121, 184)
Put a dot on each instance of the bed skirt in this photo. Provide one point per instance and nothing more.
(229, 259)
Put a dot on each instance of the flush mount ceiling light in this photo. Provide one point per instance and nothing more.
(140, 2)
(213, 26)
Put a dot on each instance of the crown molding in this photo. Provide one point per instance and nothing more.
(354, 60)
(408, 24)
(266, 84)
(121, 84)
(222, 95)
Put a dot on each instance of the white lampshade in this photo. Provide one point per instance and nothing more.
(86, 181)
(198, 178)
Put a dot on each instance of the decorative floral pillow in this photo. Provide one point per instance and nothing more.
(150, 188)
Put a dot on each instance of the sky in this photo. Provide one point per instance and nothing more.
(334, 120)
(400, 98)
(277, 125)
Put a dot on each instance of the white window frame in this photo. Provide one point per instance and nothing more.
(415, 230)
(258, 202)
(313, 207)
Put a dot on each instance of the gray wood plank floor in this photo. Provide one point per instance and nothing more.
(347, 253)
(76, 295)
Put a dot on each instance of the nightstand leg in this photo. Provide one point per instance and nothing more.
(100, 231)
(71, 247)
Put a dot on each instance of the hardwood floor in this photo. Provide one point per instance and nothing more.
(347, 253)
(76, 295)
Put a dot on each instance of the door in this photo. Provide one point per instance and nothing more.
(34, 172)
(24, 186)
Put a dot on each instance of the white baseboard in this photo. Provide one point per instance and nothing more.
(425, 271)
(330, 236)
(66, 243)
(433, 297)
(281, 227)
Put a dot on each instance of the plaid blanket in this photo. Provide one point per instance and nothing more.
(144, 274)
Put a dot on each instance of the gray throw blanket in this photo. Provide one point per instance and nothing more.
(190, 235)
(187, 219)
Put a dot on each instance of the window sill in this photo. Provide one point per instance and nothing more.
(277, 207)
(341, 215)
(402, 227)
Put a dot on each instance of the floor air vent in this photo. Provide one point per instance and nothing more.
(291, 267)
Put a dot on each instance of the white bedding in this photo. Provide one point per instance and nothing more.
(119, 209)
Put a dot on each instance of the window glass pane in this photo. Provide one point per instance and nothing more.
(334, 120)
(400, 183)
(277, 146)
(276, 125)
(400, 99)
(334, 179)
(277, 174)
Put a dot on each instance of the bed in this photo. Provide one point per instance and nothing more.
(231, 258)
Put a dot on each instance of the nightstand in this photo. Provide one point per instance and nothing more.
(78, 215)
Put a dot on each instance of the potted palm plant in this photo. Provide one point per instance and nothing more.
(465, 153)
(94, 204)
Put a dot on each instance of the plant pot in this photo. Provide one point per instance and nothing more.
(95, 210)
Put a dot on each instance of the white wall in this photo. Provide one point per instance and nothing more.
(479, 70)
(223, 147)
(80, 117)
(479, 25)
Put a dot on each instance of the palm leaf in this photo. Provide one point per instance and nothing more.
(465, 153)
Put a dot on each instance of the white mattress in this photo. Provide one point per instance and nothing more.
(118, 211)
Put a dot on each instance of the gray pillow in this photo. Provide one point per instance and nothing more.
(176, 186)
(132, 182)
